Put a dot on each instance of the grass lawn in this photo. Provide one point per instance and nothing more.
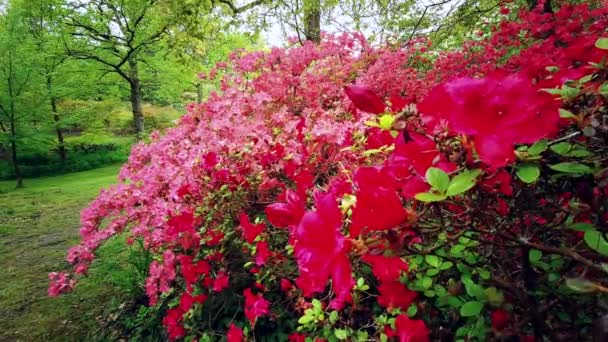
(37, 225)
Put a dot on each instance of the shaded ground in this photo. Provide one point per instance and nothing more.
(37, 225)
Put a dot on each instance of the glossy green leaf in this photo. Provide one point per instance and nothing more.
(535, 255)
(472, 308)
(341, 334)
(432, 260)
(596, 241)
(528, 173)
(430, 197)
(538, 147)
(602, 43)
(438, 179)
(571, 167)
(566, 114)
(462, 182)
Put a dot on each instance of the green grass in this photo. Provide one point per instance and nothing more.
(37, 225)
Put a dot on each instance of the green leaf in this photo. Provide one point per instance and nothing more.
(528, 173)
(561, 148)
(412, 310)
(472, 289)
(462, 182)
(538, 147)
(360, 282)
(438, 179)
(566, 114)
(431, 272)
(495, 297)
(582, 227)
(333, 317)
(432, 260)
(427, 282)
(472, 308)
(430, 197)
(306, 319)
(371, 123)
(446, 265)
(535, 255)
(580, 285)
(603, 89)
(341, 334)
(602, 43)
(457, 249)
(596, 241)
(571, 167)
(386, 121)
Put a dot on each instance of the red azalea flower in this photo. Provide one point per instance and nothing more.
(255, 306)
(220, 282)
(377, 138)
(497, 111)
(288, 213)
(365, 99)
(215, 237)
(186, 301)
(378, 206)
(192, 271)
(395, 295)
(410, 330)
(295, 337)
(321, 251)
(262, 253)
(500, 319)
(386, 269)
(181, 223)
(234, 334)
(419, 152)
(250, 231)
(286, 285)
(172, 323)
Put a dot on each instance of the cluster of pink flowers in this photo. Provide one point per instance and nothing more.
(288, 142)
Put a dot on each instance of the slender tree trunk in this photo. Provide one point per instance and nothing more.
(60, 141)
(14, 158)
(199, 92)
(312, 20)
(136, 102)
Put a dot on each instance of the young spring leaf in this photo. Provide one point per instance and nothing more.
(528, 173)
(462, 182)
(602, 43)
(430, 197)
(538, 147)
(566, 114)
(571, 167)
(438, 179)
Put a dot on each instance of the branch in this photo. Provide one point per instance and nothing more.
(237, 10)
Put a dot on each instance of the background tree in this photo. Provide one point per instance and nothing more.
(18, 82)
(115, 34)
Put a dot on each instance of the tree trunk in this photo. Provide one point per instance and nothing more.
(60, 141)
(14, 158)
(199, 92)
(312, 20)
(136, 103)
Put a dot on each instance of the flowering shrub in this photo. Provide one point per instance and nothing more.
(339, 191)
